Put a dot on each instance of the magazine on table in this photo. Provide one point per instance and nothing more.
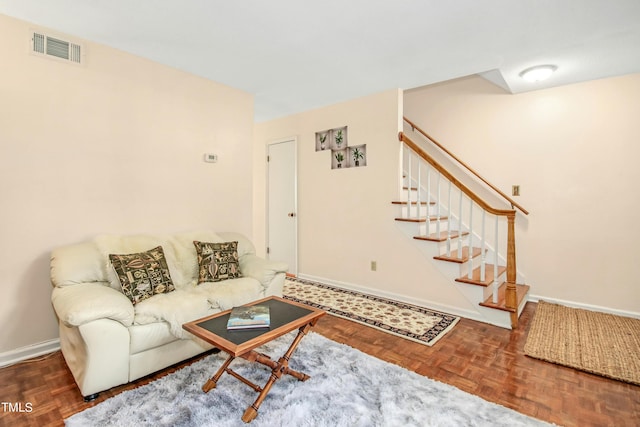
(247, 317)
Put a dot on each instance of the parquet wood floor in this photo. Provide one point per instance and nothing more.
(478, 358)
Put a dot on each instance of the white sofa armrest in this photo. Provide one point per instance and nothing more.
(261, 269)
(97, 354)
(84, 302)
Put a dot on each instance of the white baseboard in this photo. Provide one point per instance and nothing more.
(590, 307)
(23, 353)
(456, 311)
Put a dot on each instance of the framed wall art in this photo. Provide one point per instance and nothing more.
(343, 156)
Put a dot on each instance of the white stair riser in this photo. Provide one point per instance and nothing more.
(473, 293)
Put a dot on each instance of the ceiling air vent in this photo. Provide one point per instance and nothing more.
(43, 44)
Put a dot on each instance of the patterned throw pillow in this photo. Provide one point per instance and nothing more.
(143, 275)
(217, 261)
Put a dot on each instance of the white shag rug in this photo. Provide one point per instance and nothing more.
(346, 388)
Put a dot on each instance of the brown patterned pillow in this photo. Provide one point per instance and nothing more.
(142, 275)
(217, 261)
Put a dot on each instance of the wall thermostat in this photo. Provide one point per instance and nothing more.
(210, 158)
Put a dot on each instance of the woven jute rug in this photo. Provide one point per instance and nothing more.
(408, 321)
(599, 343)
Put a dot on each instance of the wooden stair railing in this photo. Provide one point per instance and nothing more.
(510, 293)
(440, 146)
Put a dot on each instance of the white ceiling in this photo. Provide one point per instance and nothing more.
(295, 55)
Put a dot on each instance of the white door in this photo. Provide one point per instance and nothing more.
(282, 219)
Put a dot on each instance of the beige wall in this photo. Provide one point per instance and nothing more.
(574, 151)
(115, 146)
(345, 216)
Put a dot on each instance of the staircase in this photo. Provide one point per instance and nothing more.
(470, 241)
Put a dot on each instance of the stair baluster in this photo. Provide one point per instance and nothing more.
(470, 262)
(449, 223)
(419, 192)
(428, 228)
(409, 184)
(438, 204)
(483, 261)
(460, 227)
(495, 266)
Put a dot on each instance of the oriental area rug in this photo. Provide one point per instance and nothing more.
(346, 388)
(600, 343)
(408, 321)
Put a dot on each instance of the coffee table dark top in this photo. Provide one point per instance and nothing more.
(285, 317)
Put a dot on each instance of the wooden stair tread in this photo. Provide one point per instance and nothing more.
(424, 219)
(412, 188)
(521, 292)
(399, 202)
(454, 255)
(475, 276)
(435, 237)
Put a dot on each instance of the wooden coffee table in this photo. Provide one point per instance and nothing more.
(285, 317)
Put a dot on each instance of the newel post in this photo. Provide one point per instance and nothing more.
(511, 298)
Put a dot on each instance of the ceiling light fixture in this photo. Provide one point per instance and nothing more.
(538, 73)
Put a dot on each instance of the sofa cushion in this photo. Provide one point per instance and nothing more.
(186, 256)
(131, 244)
(144, 337)
(245, 247)
(217, 261)
(231, 293)
(86, 302)
(175, 308)
(77, 263)
(143, 274)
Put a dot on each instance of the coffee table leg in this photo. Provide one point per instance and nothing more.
(280, 368)
(213, 381)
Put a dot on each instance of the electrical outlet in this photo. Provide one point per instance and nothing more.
(374, 265)
(515, 190)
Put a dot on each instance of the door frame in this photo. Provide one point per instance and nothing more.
(294, 268)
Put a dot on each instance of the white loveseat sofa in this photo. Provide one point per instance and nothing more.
(106, 340)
